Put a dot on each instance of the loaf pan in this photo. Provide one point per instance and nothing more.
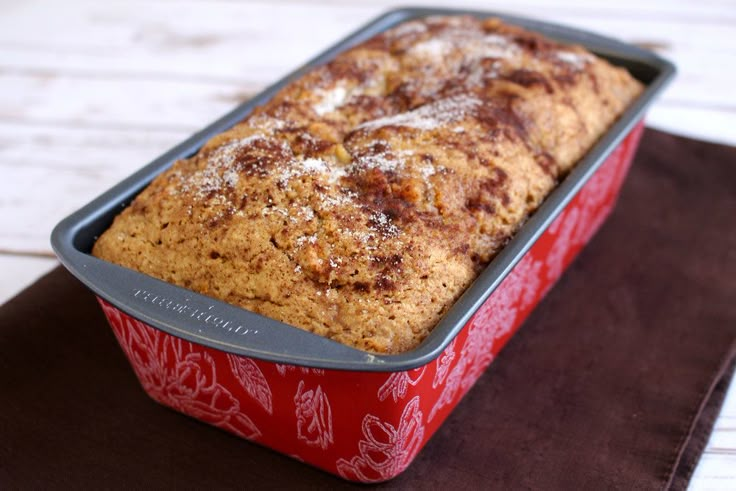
(359, 415)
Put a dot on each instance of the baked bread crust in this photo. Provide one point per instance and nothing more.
(365, 197)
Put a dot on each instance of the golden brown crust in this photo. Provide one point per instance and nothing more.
(365, 197)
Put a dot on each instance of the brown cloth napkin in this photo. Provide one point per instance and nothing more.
(613, 382)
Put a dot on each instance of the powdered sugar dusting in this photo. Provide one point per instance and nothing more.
(330, 100)
(478, 74)
(264, 122)
(381, 223)
(427, 171)
(218, 173)
(382, 161)
(461, 52)
(230, 177)
(495, 46)
(432, 48)
(470, 44)
(307, 213)
(301, 167)
(428, 116)
(335, 174)
(341, 199)
(314, 165)
(306, 239)
(576, 60)
(363, 237)
(385, 161)
(412, 27)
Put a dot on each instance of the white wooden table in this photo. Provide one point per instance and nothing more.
(90, 91)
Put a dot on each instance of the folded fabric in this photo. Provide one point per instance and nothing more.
(613, 382)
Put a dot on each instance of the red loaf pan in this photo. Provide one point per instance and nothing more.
(358, 415)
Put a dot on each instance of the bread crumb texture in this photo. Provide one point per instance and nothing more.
(365, 197)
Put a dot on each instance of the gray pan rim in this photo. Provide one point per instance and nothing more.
(218, 325)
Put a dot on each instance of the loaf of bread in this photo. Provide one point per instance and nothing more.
(366, 196)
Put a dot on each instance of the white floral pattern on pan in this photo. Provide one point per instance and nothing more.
(398, 383)
(283, 369)
(450, 391)
(583, 217)
(179, 376)
(527, 279)
(495, 319)
(443, 364)
(594, 196)
(497, 315)
(385, 450)
(564, 226)
(313, 416)
(475, 355)
(252, 380)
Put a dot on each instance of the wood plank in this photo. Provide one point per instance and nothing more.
(703, 123)
(138, 41)
(83, 148)
(159, 57)
(230, 41)
(728, 411)
(178, 105)
(709, 11)
(715, 472)
(84, 162)
(722, 442)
